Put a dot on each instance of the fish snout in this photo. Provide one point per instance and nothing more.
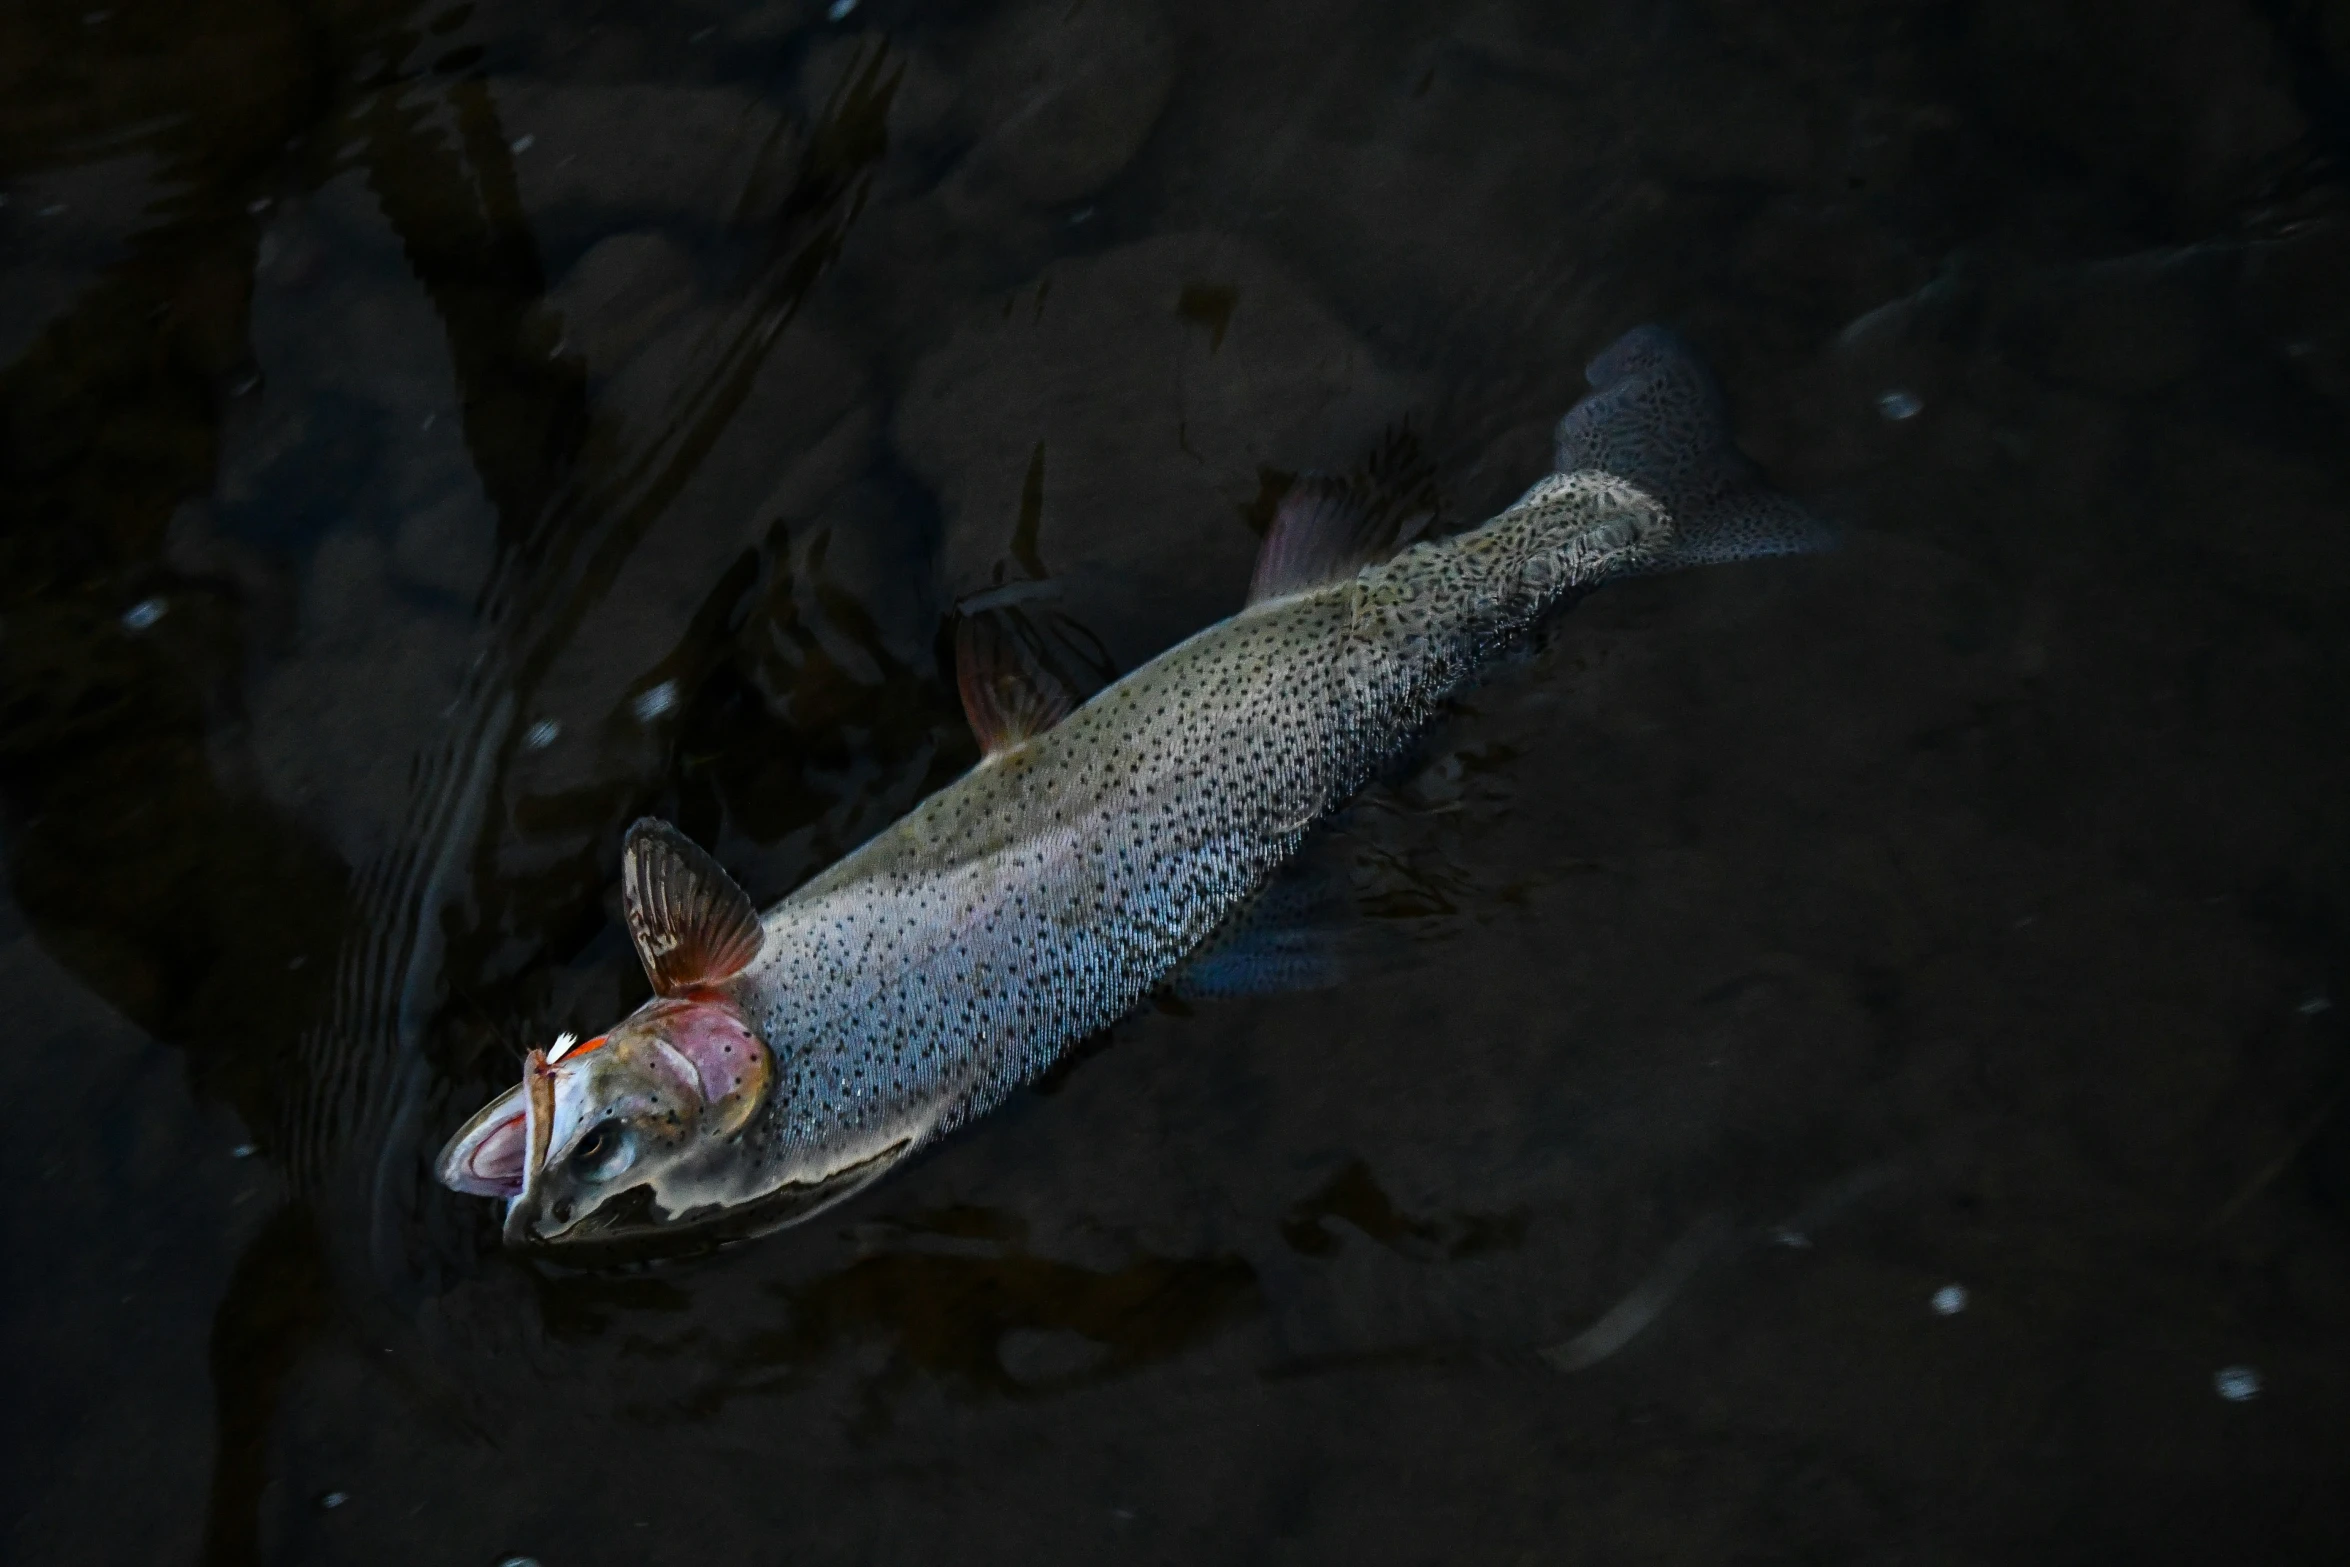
(532, 1220)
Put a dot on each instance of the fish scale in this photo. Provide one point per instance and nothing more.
(790, 1058)
(1042, 896)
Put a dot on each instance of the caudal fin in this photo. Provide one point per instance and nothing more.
(1656, 416)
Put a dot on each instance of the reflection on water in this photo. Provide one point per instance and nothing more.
(439, 434)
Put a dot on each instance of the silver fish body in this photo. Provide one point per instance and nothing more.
(1043, 895)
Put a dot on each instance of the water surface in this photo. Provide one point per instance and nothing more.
(1850, 1069)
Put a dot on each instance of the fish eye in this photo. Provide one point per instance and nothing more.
(602, 1152)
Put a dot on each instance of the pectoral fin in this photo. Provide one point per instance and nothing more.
(692, 925)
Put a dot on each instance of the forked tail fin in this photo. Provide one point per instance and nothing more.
(1657, 417)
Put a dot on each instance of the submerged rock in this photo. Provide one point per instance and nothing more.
(58, 228)
(1122, 422)
(446, 546)
(621, 295)
(1071, 94)
(803, 431)
(590, 159)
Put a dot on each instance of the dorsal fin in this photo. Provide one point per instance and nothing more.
(1328, 527)
(1015, 678)
(692, 924)
(1323, 533)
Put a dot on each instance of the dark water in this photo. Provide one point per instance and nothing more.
(436, 436)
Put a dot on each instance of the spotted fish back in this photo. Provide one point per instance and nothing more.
(1043, 895)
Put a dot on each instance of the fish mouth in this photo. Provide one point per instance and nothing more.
(632, 1226)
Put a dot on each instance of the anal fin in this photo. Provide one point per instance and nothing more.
(1302, 931)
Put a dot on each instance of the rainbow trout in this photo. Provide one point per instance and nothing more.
(789, 1058)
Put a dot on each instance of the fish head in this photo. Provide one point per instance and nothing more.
(616, 1138)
